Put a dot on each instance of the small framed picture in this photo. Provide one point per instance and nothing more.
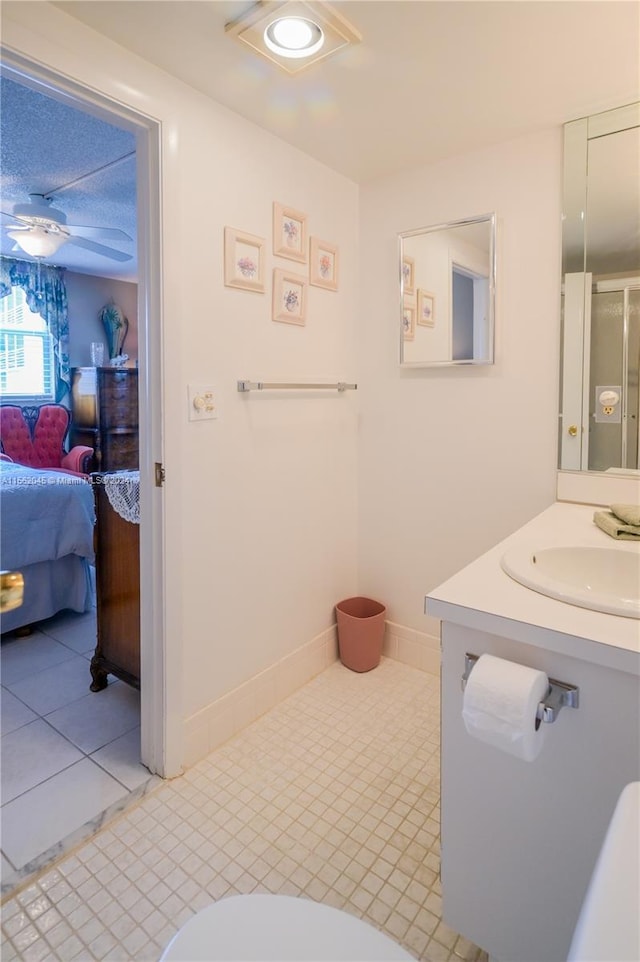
(408, 275)
(243, 260)
(323, 264)
(409, 319)
(289, 233)
(426, 308)
(289, 297)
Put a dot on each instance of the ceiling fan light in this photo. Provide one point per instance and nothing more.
(38, 242)
(294, 37)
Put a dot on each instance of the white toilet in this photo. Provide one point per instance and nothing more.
(266, 928)
(609, 924)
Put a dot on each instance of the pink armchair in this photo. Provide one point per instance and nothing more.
(34, 436)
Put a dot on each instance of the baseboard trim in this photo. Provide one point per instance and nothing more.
(215, 724)
(411, 647)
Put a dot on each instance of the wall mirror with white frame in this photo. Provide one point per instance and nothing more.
(447, 293)
(599, 419)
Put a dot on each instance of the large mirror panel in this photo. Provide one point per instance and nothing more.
(447, 284)
(599, 409)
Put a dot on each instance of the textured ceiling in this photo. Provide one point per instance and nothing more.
(46, 145)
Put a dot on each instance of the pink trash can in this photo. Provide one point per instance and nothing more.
(360, 632)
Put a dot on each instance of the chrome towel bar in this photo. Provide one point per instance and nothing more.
(245, 386)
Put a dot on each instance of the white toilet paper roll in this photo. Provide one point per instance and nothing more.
(499, 705)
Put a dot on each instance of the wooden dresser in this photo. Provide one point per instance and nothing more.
(117, 544)
(105, 415)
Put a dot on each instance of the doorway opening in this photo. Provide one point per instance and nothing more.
(469, 311)
(64, 630)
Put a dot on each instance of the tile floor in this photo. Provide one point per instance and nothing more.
(68, 754)
(333, 795)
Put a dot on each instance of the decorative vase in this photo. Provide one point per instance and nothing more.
(115, 325)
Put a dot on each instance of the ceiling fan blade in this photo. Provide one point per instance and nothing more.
(22, 221)
(107, 232)
(99, 249)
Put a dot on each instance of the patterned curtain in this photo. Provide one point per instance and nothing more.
(46, 295)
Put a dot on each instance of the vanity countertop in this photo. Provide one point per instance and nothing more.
(484, 597)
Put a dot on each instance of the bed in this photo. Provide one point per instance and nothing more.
(47, 521)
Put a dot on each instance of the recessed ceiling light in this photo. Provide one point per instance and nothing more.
(293, 37)
(293, 33)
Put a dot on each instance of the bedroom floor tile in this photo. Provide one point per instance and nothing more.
(99, 717)
(6, 868)
(45, 691)
(31, 754)
(76, 631)
(45, 770)
(14, 713)
(23, 657)
(55, 808)
(121, 758)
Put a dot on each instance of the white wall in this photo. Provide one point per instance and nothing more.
(432, 274)
(451, 460)
(260, 505)
(86, 296)
(268, 491)
(266, 524)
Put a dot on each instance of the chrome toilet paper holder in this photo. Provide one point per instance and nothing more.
(560, 694)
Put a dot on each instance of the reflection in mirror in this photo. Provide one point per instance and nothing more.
(600, 415)
(447, 284)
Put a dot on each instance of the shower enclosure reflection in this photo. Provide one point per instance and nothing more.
(614, 362)
(600, 415)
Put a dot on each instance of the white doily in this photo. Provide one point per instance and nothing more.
(123, 491)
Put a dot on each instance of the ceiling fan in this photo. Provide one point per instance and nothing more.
(40, 230)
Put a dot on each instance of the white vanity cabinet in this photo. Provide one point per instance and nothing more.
(520, 839)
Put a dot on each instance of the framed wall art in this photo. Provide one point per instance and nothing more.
(426, 308)
(408, 275)
(289, 297)
(323, 264)
(289, 233)
(243, 260)
(409, 318)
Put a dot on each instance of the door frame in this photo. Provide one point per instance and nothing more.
(161, 744)
(576, 352)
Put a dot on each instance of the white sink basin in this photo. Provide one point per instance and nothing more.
(603, 579)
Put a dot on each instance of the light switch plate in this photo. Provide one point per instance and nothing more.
(202, 402)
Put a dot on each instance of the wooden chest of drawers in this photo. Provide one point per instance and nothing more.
(105, 415)
(118, 594)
